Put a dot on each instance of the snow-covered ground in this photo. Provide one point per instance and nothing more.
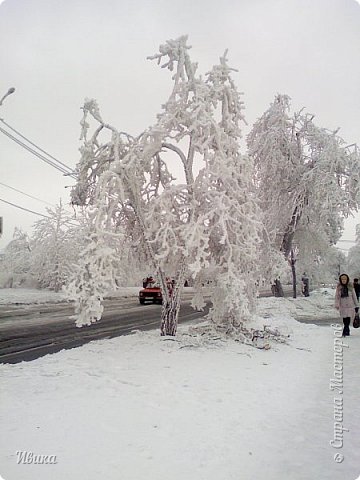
(142, 407)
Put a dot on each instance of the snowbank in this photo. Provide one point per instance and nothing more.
(28, 296)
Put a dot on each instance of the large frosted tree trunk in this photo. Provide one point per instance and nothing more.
(169, 316)
(171, 305)
(287, 244)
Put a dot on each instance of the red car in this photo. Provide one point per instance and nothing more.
(150, 292)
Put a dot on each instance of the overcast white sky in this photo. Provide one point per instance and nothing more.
(56, 53)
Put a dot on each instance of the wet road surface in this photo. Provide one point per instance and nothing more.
(29, 332)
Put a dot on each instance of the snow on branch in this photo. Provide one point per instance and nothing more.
(306, 178)
(207, 221)
(93, 278)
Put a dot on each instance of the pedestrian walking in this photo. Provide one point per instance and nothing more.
(346, 302)
(356, 287)
(305, 285)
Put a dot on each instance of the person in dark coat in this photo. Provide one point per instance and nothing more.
(305, 285)
(356, 287)
(346, 302)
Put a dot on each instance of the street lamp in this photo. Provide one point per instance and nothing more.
(9, 92)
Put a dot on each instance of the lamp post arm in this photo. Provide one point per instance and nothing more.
(9, 92)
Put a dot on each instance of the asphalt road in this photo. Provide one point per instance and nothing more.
(29, 332)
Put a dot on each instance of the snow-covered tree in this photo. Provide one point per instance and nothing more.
(203, 223)
(353, 258)
(53, 248)
(95, 276)
(320, 261)
(15, 265)
(307, 180)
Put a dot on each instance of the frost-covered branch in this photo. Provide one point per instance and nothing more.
(208, 225)
(305, 177)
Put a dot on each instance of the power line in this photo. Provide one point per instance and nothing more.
(32, 211)
(36, 146)
(66, 171)
(23, 208)
(30, 196)
(62, 167)
(31, 150)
